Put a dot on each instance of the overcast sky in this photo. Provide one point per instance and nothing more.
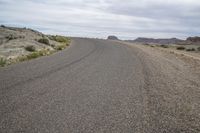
(126, 19)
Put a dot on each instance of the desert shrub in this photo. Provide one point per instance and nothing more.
(30, 48)
(44, 52)
(33, 55)
(11, 37)
(180, 48)
(190, 49)
(44, 41)
(60, 39)
(2, 62)
(60, 47)
(164, 46)
(198, 48)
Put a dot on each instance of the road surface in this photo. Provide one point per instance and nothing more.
(93, 86)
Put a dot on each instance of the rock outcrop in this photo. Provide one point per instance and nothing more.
(193, 39)
(112, 38)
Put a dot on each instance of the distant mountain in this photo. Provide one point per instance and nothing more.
(157, 41)
(193, 39)
(112, 38)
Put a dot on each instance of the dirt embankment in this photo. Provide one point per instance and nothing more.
(19, 44)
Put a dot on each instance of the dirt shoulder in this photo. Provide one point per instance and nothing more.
(172, 89)
(181, 53)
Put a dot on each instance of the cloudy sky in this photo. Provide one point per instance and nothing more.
(127, 19)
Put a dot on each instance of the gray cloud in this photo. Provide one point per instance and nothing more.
(99, 18)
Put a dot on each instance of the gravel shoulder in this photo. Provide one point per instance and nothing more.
(172, 88)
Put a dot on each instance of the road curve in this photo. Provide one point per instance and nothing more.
(94, 86)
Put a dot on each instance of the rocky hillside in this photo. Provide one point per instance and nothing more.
(18, 44)
(156, 41)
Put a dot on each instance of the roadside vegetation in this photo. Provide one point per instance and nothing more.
(60, 39)
(2, 62)
(22, 44)
(35, 54)
(64, 41)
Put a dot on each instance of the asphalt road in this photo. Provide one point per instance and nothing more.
(93, 86)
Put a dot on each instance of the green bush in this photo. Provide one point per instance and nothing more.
(180, 48)
(2, 62)
(30, 48)
(44, 41)
(33, 55)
